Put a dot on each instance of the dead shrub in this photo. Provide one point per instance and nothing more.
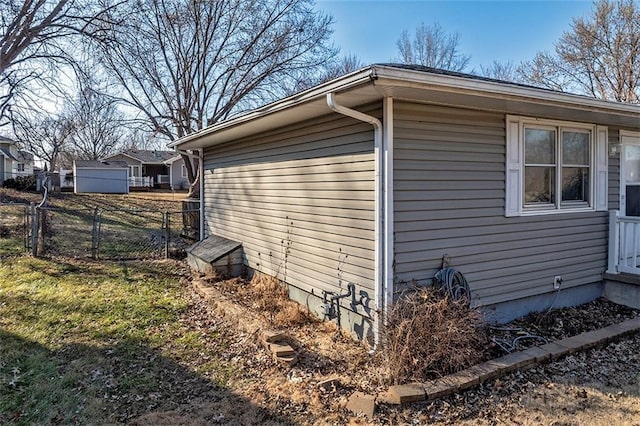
(428, 335)
(271, 297)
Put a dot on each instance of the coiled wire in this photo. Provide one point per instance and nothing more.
(452, 283)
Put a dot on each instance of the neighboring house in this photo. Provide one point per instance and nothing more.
(151, 168)
(24, 164)
(104, 177)
(14, 162)
(379, 177)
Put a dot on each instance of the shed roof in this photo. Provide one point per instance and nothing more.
(417, 84)
(147, 156)
(97, 164)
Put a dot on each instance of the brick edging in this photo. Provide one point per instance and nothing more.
(414, 392)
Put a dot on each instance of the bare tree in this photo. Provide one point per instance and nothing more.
(506, 71)
(332, 68)
(187, 64)
(45, 136)
(34, 40)
(599, 56)
(97, 125)
(433, 47)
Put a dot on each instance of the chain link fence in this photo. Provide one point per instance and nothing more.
(96, 233)
(15, 228)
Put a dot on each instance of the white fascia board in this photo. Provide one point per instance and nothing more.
(318, 93)
(172, 160)
(390, 77)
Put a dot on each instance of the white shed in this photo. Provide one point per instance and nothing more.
(107, 177)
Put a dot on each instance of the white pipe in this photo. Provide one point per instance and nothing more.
(378, 206)
(389, 258)
(201, 171)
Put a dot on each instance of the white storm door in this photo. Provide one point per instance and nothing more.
(630, 174)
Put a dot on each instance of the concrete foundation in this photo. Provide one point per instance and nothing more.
(508, 311)
(623, 289)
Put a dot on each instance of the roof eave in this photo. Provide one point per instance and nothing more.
(354, 79)
(417, 86)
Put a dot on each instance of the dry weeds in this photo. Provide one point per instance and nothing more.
(428, 335)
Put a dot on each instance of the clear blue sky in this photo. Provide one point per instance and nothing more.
(489, 30)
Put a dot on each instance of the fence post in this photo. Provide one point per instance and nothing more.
(94, 235)
(34, 230)
(167, 232)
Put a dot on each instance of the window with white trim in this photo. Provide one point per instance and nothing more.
(555, 167)
(184, 171)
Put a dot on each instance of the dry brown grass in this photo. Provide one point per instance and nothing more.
(429, 335)
(270, 297)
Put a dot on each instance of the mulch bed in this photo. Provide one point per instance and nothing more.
(556, 324)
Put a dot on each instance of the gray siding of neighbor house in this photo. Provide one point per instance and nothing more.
(301, 200)
(176, 175)
(449, 181)
(103, 181)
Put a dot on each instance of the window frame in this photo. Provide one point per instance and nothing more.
(183, 171)
(515, 167)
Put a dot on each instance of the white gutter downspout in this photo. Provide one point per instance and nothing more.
(200, 158)
(378, 206)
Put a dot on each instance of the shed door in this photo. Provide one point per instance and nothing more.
(630, 175)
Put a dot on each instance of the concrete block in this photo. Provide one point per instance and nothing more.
(582, 341)
(270, 336)
(463, 379)
(555, 350)
(485, 371)
(281, 350)
(405, 394)
(329, 385)
(514, 361)
(438, 389)
(360, 402)
(538, 354)
(289, 360)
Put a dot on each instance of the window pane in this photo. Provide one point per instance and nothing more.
(539, 184)
(575, 184)
(575, 148)
(539, 146)
(632, 163)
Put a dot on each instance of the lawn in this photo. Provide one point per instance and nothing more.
(88, 342)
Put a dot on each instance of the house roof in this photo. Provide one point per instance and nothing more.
(7, 154)
(97, 164)
(417, 84)
(25, 156)
(4, 139)
(147, 156)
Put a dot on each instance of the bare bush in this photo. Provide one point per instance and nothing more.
(271, 298)
(428, 335)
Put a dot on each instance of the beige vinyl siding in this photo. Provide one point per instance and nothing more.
(449, 192)
(301, 200)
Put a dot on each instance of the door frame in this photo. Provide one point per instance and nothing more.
(633, 139)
